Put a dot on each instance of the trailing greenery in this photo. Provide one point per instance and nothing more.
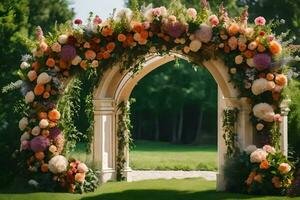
(124, 137)
(230, 134)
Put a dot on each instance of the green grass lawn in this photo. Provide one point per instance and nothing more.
(165, 156)
(185, 189)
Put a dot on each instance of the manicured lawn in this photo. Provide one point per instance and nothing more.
(164, 156)
(185, 189)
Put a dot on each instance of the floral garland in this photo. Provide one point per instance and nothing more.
(255, 57)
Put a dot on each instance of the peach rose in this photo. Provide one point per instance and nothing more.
(50, 62)
(239, 59)
(121, 38)
(43, 46)
(270, 77)
(56, 47)
(90, 55)
(32, 75)
(284, 168)
(39, 155)
(54, 115)
(80, 177)
(44, 168)
(233, 29)
(44, 123)
(233, 43)
(275, 47)
(281, 80)
(39, 89)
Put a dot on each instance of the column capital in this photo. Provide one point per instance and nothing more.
(104, 104)
(284, 107)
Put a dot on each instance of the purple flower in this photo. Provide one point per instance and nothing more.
(174, 29)
(39, 143)
(54, 132)
(68, 52)
(262, 61)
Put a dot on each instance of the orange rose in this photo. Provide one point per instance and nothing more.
(233, 29)
(44, 168)
(64, 64)
(250, 178)
(129, 39)
(80, 177)
(110, 46)
(39, 155)
(144, 35)
(90, 55)
(106, 55)
(46, 95)
(281, 80)
(39, 89)
(50, 62)
(275, 47)
(264, 165)
(138, 27)
(270, 77)
(106, 31)
(54, 115)
(121, 38)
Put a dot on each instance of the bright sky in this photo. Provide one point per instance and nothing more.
(103, 8)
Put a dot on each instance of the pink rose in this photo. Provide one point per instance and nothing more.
(260, 21)
(191, 12)
(269, 149)
(214, 21)
(277, 118)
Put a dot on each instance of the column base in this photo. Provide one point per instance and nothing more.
(107, 175)
(221, 184)
(128, 174)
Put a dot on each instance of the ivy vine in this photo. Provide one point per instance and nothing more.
(230, 134)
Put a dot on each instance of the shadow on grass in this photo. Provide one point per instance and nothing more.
(167, 195)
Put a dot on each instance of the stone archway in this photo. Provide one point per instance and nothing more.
(116, 87)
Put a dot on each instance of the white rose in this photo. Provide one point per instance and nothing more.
(24, 65)
(76, 60)
(23, 123)
(29, 97)
(58, 164)
(36, 131)
(195, 45)
(62, 39)
(44, 123)
(82, 168)
(43, 78)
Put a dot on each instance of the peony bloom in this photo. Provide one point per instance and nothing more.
(23, 123)
(121, 38)
(281, 80)
(195, 45)
(269, 149)
(258, 156)
(192, 13)
(43, 78)
(260, 21)
(264, 111)
(213, 20)
(54, 115)
(44, 123)
(204, 34)
(284, 168)
(90, 55)
(80, 178)
(264, 165)
(233, 42)
(31, 75)
(39, 143)
(62, 39)
(58, 164)
(68, 53)
(262, 61)
(173, 28)
(259, 126)
(36, 131)
(29, 97)
(275, 47)
(76, 60)
(24, 65)
(259, 86)
(250, 149)
(82, 168)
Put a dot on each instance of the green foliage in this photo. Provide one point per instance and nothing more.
(230, 134)
(90, 183)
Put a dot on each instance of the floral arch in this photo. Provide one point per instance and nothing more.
(246, 60)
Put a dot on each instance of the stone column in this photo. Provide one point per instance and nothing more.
(104, 143)
(284, 107)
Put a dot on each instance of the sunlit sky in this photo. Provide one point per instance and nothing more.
(103, 8)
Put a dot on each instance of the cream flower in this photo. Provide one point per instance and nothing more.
(192, 13)
(44, 123)
(195, 45)
(23, 123)
(58, 164)
(259, 86)
(252, 46)
(56, 47)
(284, 168)
(250, 62)
(24, 65)
(36, 131)
(258, 156)
(62, 39)
(264, 111)
(82, 168)
(76, 60)
(53, 149)
(29, 97)
(43, 78)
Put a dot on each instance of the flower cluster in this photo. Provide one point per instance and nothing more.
(251, 51)
(270, 171)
